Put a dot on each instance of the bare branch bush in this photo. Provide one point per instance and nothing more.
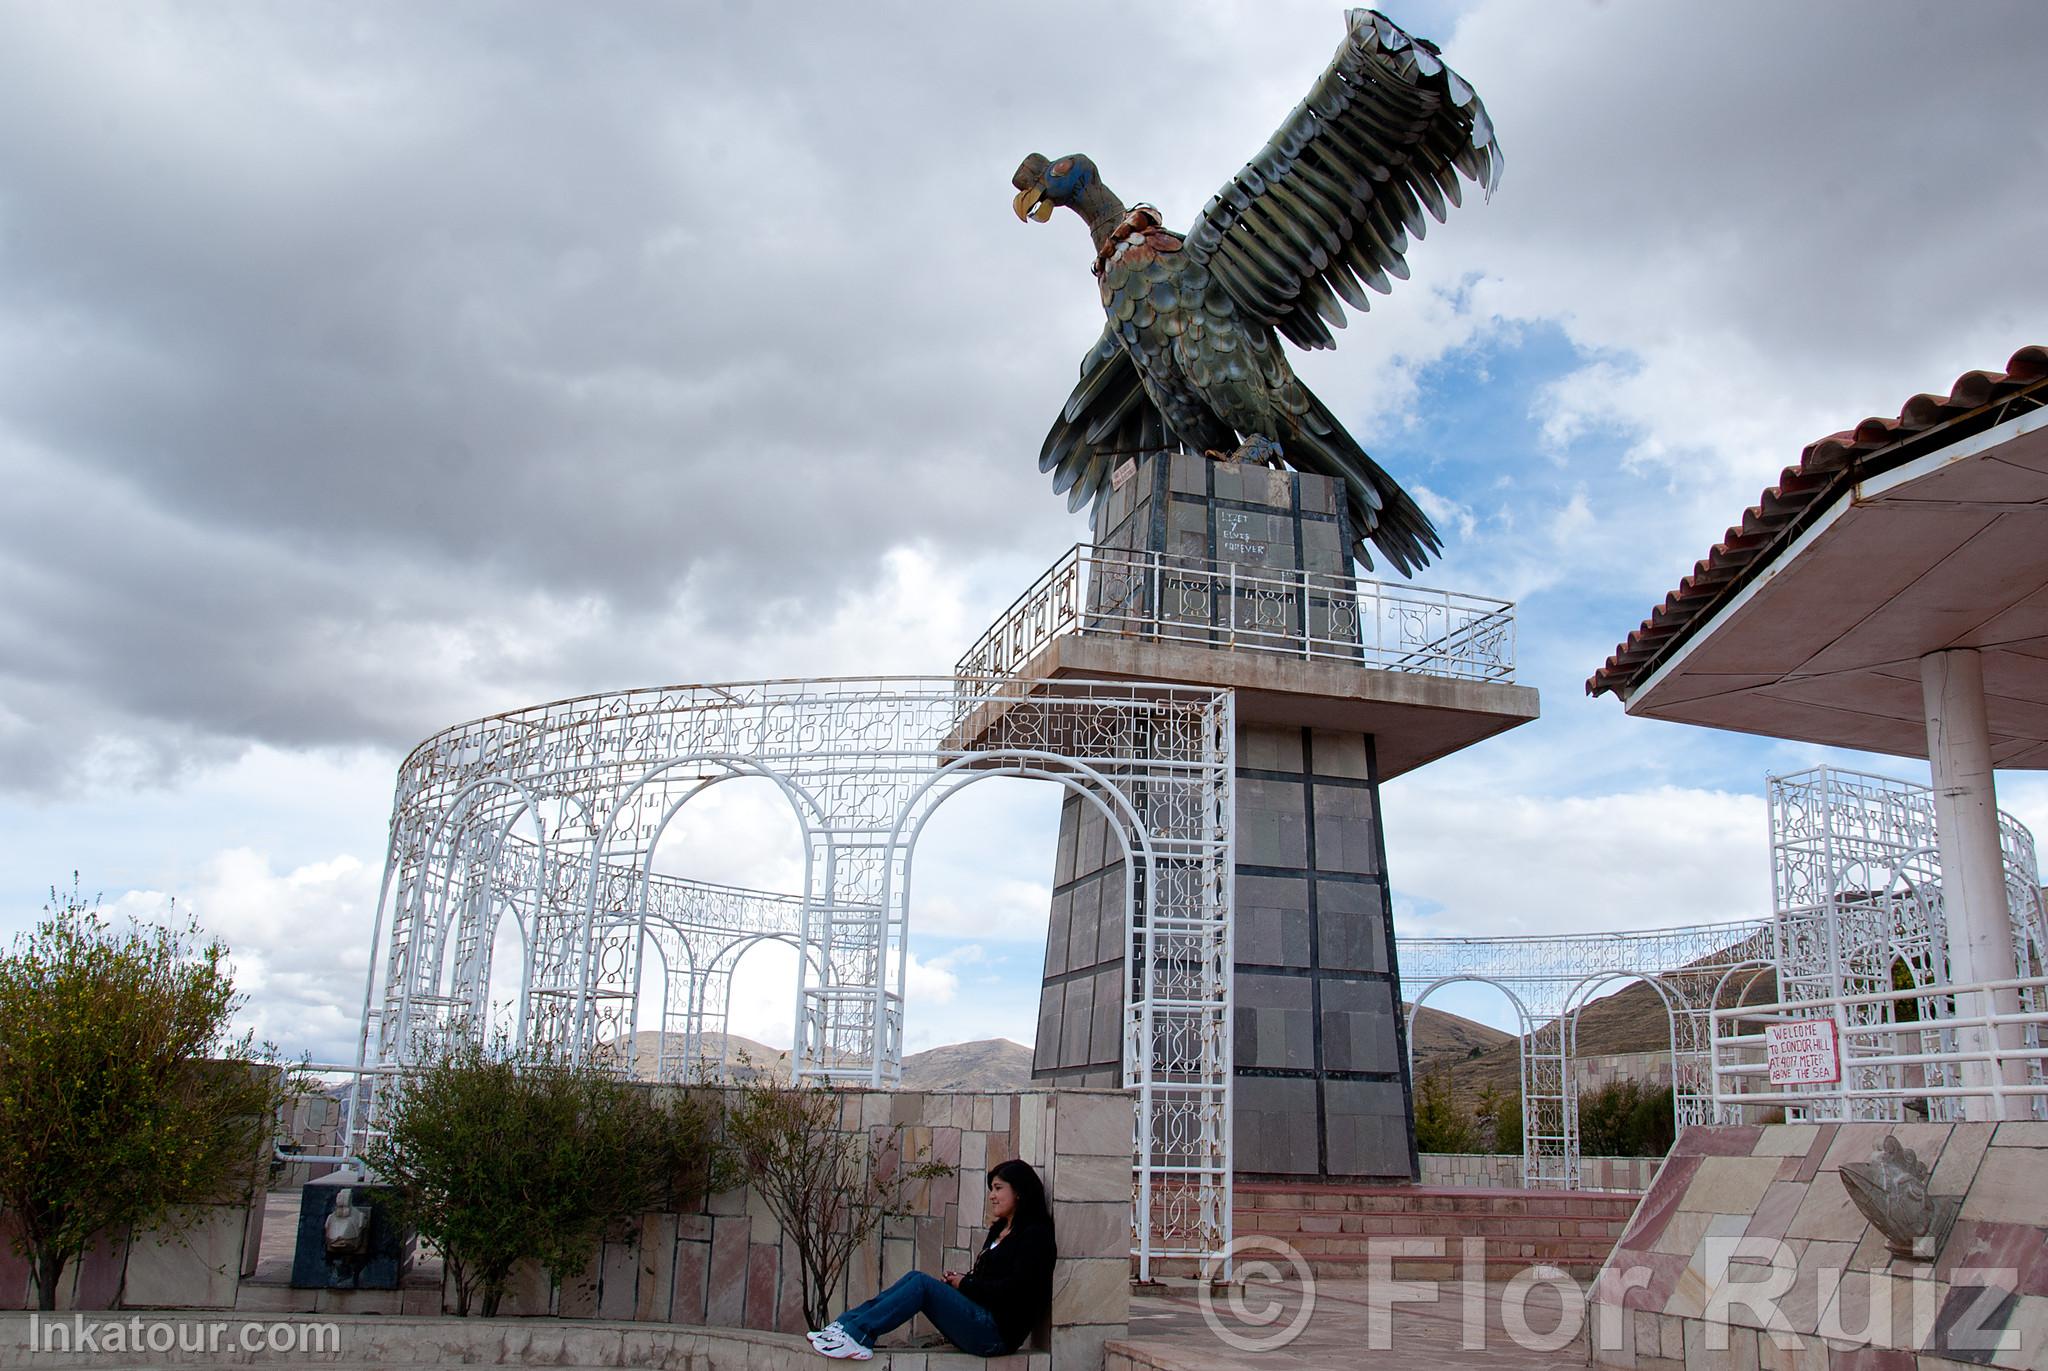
(828, 1188)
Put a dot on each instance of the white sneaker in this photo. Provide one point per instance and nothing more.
(836, 1343)
(830, 1330)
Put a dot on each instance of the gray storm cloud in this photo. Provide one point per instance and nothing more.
(344, 350)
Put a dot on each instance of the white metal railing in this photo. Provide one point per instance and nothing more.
(1942, 1059)
(1118, 593)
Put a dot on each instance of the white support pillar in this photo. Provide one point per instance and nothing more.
(1979, 918)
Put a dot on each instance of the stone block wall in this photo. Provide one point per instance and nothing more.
(1600, 1069)
(1081, 1001)
(314, 1124)
(1319, 1040)
(1627, 1175)
(1282, 540)
(1320, 1051)
(1251, 516)
(728, 1266)
(196, 1260)
(1677, 1292)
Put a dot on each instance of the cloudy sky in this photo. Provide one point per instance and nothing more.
(365, 368)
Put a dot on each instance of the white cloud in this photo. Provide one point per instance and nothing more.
(1003, 909)
(1652, 858)
(1446, 513)
(297, 939)
(928, 983)
(1573, 522)
(763, 996)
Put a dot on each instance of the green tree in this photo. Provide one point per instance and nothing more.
(1653, 1123)
(1625, 1119)
(122, 1095)
(1498, 1115)
(1440, 1125)
(828, 1188)
(500, 1156)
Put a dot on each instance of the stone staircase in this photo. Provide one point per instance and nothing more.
(1331, 1226)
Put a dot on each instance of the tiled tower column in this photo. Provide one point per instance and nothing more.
(1321, 1086)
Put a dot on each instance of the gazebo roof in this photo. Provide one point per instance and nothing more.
(1889, 540)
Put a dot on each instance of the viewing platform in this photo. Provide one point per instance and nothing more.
(1427, 672)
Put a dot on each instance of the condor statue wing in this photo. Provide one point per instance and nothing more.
(1327, 207)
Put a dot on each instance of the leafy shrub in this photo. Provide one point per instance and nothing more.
(121, 1094)
(500, 1157)
(1626, 1119)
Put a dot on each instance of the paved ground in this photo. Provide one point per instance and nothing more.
(1169, 1331)
(280, 1235)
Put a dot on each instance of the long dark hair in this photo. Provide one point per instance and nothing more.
(1031, 1205)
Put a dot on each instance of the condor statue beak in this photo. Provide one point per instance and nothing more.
(1032, 204)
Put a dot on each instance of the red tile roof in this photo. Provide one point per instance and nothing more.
(1977, 400)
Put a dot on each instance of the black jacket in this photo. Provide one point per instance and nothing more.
(1013, 1280)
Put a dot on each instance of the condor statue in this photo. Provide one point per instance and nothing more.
(1189, 357)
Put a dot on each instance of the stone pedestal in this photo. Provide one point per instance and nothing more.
(1321, 1086)
(1252, 516)
(390, 1248)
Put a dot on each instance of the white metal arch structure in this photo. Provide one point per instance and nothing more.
(861, 762)
(1550, 977)
(1856, 887)
(707, 1008)
(694, 927)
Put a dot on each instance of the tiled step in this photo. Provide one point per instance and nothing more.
(267, 1297)
(1433, 1199)
(1333, 1227)
(1498, 1264)
(1478, 1225)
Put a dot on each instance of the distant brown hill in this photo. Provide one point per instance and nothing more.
(989, 1064)
(745, 1058)
(1442, 1040)
(1630, 1020)
(1472, 1055)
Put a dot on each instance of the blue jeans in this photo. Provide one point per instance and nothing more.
(970, 1327)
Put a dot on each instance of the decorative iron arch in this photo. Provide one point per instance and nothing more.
(1422, 997)
(862, 760)
(803, 807)
(1856, 879)
(717, 984)
(1546, 976)
(430, 888)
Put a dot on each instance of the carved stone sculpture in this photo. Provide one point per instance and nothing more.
(1891, 1191)
(348, 1227)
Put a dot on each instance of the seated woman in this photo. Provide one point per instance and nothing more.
(991, 1309)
